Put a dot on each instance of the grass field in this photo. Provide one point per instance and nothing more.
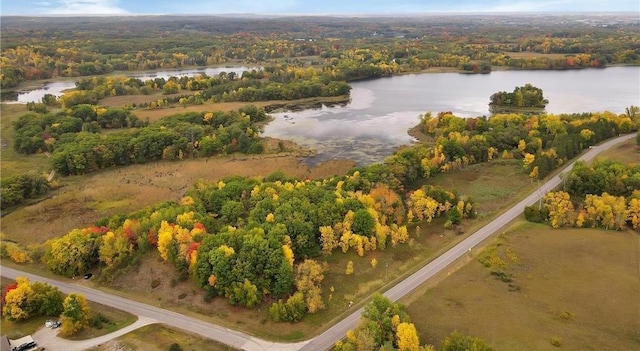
(627, 152)
(575, 287)
(12, 162)
(154, 115)
(485, 183)
(159, 337)
(82, 200)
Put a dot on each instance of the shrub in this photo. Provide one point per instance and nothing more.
(535, 214)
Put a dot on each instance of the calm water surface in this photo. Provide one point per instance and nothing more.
(382, 110)
(57, 88)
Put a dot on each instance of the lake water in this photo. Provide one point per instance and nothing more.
(382, 110)
(57, 88)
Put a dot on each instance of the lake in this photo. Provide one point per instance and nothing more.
(381, 111)
(57, 88)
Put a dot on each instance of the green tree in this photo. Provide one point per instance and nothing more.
(363, 223)
(48, 300)
(75, 314)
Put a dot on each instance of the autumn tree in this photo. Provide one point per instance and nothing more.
(28, 299)
(114, 247)
(18, 303)
(634, 212)
(384, 326)
(75, 314)
(244, 293)
(309, 276)
(73, 253)
(606, 210)
(292, 310)
(560, 208)
(329, 239)
(349, 269)
(407, 337)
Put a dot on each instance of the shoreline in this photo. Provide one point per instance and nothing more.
(30, 85)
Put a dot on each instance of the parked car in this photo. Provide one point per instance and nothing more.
(88, 275)
(52, 324)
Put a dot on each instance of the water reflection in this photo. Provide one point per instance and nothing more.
(58, 88)
(381, 111)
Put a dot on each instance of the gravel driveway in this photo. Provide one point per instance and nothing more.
(48, 338)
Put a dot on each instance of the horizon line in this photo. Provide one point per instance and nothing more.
(373, 14)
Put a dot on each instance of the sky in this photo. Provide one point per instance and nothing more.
(310, 7)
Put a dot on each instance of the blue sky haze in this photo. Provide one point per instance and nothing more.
(291, 7)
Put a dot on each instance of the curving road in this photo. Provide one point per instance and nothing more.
(325, 340)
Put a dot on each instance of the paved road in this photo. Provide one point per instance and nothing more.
(335, 333)
(325, 340)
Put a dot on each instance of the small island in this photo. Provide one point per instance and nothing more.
(527, 98)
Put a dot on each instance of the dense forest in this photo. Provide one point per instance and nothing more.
(605, 194)
(356, 47)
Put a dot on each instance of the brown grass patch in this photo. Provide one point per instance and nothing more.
(120, 101)
(578, 285)
(83, 200)
(485, 183)
(627, 152)
(160, 337)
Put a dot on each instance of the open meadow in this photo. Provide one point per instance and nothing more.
(627, 152)
(571, 288)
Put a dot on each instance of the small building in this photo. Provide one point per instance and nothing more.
(22, 344)
(4, 343)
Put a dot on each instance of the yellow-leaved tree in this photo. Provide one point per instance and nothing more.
(309, 277)
(561, 211)
(349, 269)
(607, 210)
(634, 213)
(407, 337)
(114, 247)
(17, 301)
(75, 314)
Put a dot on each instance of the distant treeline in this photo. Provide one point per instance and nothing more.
(362, 48)
(272, 83)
